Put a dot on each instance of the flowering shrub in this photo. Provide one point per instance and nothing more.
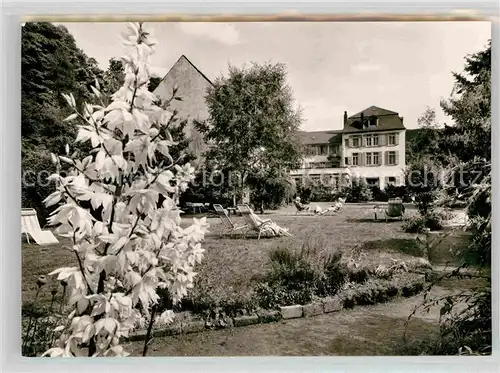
(130, 243)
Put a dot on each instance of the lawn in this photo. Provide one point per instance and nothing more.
(232, 266)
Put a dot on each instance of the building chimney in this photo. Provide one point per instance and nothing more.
(362, 120)
(345, 118)
(402, 119)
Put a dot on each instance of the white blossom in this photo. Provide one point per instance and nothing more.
(135, 246)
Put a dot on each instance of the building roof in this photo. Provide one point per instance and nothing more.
(316, 137)
(192, 87)
(387, 120)
(373, 110)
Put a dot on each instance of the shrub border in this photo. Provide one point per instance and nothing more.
(346, 299)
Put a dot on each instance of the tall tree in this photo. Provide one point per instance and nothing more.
(252, 109)
(51, 63)
(470, 108)
(468, 144)
(425, 140)
(113, 76)
(154, 82)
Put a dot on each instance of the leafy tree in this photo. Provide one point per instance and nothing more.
(270, 192)
(423, 182)
(51, 64)
(468, 145)
(154, 82)
(470, 108)
(425, 141)
(135, 246)
(470, 140)
(113, 76)
(251, 111)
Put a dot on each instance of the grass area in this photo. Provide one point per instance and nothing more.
(232, 266)
(454, 283)
(39, 261)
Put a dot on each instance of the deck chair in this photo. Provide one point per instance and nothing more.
(301, 207)
(395, 209)
(337, 207)
(261, 226)
(227, 224)
(30, 226)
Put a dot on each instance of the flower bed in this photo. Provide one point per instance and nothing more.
(371, 292)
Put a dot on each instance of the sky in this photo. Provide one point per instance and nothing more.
(332, 66)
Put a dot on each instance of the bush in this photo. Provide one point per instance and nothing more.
(419, 223)
(378, 290)
(423, 181)
(270, 193)
(323, 193)
(213, 305)
(304, 190)
(273, 296)
(397, 191)
(297, 276)
(207, 192)
(357, 191)
(378, 194)
(39, 319)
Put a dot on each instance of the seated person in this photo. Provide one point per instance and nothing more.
(300, 206)
(277, 230)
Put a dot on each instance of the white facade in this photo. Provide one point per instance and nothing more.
(377, 157)
(371, 146)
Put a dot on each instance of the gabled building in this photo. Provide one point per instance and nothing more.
(192, 87)
(371, 145)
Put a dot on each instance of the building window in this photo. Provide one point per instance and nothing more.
(392, 139)
(323, 150)
(346, 143)
(346, 160)
(355, 142)
(355, 159)
(369, 159)
(310, 150)
(392, 158)
(376, 159)
(373, 181)
(371, 140)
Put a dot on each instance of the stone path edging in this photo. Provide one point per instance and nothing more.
(324, 305)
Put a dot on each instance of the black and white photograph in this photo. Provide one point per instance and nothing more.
(313, 188)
